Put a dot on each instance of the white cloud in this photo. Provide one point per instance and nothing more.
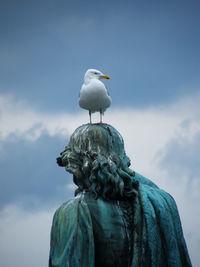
(145, 132)
(25, 237)
(156, 124)
(148, 135)
(18, 119)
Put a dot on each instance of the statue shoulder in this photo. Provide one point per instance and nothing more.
(143, 180)
(151, 193)
(71, 209)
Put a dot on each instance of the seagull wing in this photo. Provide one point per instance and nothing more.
(107, 90)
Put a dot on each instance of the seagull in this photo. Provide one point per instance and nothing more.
(93, 95)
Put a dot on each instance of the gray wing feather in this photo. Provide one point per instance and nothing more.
(107, 90)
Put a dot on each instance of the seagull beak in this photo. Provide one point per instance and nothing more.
(105, 77)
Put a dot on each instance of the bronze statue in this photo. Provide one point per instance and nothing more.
(118, 218)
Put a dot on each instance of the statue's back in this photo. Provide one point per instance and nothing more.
(112, 227)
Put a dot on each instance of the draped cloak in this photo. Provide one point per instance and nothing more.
(89, 232)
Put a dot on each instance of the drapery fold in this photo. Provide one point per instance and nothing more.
(72, 241)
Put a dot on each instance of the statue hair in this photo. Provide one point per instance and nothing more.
(95, 156)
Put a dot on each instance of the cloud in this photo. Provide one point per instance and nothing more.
(162, 142)
(20, 120)
(24, 237)
(146, 132)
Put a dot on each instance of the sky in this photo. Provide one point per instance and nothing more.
(151, 51)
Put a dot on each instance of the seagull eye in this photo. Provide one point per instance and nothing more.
(96, 73)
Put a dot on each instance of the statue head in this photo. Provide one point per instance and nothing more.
(96, 157)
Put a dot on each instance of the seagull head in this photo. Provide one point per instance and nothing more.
(94, 74)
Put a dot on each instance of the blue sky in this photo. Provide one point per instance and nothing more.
(151, 51)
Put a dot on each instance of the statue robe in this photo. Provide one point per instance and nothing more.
(89, 232)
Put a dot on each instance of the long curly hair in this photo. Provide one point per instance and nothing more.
(96, 157)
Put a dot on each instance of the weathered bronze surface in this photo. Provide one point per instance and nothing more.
(118, 217)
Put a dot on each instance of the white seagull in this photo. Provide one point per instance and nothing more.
(93, 94)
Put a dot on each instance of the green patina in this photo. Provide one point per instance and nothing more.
(118, 217)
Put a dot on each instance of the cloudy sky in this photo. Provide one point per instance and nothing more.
(151, 51)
